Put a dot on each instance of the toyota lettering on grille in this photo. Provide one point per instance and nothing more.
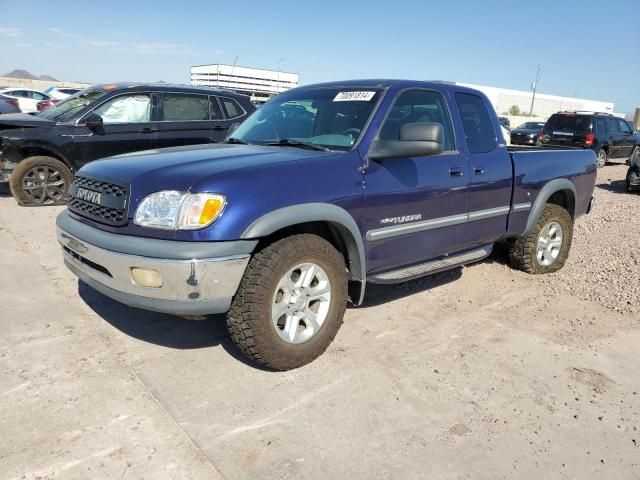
(89, 196)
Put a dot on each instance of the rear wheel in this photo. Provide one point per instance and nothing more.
(602, 158)
(546, 248)
(40, 180)
(290, 303)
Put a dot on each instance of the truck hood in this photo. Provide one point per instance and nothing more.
(179, 168)
(17, 120)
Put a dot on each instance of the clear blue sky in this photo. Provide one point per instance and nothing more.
(587, 48)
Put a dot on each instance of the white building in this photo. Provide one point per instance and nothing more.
(544, 106)
(261, 85)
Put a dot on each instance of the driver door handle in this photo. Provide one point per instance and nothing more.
(456, 172)
(149, 130)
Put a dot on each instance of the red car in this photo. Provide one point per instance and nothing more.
(44, 104)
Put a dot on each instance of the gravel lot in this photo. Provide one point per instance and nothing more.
(481, 372)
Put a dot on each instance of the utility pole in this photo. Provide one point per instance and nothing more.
(534, 86)
(278, 81)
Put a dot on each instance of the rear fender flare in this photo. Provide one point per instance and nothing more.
(557, 185)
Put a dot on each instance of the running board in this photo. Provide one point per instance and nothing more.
(432, 266)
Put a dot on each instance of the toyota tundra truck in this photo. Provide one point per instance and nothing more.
(323, 190)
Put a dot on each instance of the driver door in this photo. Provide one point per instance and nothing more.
(129, 125)
(416, 207)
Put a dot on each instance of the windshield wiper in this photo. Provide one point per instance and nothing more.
(287, 142)
(236, 141)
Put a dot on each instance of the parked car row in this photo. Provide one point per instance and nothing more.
(31, 101)
(40, 153)
(610, 137)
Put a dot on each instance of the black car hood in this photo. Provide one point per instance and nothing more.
(24, 120)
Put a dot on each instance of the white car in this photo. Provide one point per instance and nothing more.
(60, 93)
(506, 134)
(27, 98)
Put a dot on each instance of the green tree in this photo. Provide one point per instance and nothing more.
(515, 110)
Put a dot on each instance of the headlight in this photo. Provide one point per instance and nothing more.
(173, 210)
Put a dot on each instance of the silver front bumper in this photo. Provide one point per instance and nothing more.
(189, 287)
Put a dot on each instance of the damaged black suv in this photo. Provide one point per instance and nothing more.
(40, 153)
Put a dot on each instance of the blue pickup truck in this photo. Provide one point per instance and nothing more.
(322, 190)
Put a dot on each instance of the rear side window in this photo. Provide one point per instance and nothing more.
(476, 122)
(231, 108)
(601, 125)
(183, 108)
(569, 123)
(418, 106)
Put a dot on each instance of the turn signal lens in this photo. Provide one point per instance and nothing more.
(199, 210)
(211, 210)
(146, 277)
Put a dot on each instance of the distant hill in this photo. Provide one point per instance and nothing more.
(24, 75)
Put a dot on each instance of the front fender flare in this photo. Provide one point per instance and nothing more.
(317, 212)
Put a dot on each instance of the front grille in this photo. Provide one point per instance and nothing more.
(105, 202)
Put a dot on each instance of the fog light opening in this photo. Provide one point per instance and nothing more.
(146, 277)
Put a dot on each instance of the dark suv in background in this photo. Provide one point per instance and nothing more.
(39, 153)
(612, 138)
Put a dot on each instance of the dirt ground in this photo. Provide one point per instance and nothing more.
(478, 373)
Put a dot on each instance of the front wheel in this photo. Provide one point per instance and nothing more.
(290, 303)
(546, 248)
(40, 180)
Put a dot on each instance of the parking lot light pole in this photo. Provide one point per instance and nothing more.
(278, 81)
(535, 86)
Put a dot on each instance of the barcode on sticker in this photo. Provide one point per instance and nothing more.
(354, 96)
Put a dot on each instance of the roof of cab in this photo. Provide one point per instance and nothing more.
(388, 83)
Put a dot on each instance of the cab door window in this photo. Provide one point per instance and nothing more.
(624, 126)
(418, 106)
(126, 109)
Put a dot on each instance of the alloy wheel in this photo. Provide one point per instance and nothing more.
(44, 185)
(549, 244)
(301, 303)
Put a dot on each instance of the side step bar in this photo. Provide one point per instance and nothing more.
(432, 266)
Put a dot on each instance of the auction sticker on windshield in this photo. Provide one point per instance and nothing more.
(354, 96)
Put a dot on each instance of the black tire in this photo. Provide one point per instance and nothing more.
(633, 176)
(25, 177)
(602, 158)
(523, 250)
(249, 319)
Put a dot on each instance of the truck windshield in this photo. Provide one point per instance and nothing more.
(328, 118)
(69, 107)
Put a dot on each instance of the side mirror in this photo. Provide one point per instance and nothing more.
(93, 122)
(232, 129)
(416, 140)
